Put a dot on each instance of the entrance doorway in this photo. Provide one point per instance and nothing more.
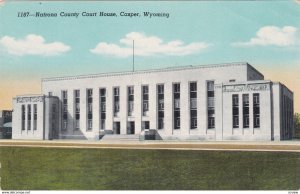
(145, 125)
(130, 127)
(116, 128)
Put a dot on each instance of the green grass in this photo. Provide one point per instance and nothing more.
(114, 169)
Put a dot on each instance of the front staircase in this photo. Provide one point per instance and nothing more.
(118, 137)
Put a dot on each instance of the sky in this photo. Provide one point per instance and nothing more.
(265, 34)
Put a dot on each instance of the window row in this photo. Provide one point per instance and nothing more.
(160, 90)
(245, 110)
(29, 108)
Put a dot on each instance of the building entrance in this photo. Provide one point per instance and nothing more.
(116, 127)
(130, 127)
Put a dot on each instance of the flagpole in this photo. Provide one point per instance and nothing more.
(133, 54)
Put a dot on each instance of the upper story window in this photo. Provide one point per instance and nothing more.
(246, 99)
(210, 86)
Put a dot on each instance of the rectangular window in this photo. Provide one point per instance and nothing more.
(102, 107)
(211, 122)
(28, 116)
(193, 105)
(177, 103)
(194, 123)
(64, 95)
(210, 86)
(35, 117)
(145, 100)
(23, 117)
(210, 104)
(161, 123)
(130, 100)
(77, 124)
(256, 110)
(116, 105)
(77, 108)
(176, 107)
(235, 111)
(130, 108)
(89, 109)
(160, 105)
(245, 110)
(90, 124)
(54, 120)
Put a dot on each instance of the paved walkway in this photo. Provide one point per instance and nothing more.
(284, 146)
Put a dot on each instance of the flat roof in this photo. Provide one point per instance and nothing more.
(168, 69)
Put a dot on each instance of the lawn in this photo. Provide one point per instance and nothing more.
(128, 169)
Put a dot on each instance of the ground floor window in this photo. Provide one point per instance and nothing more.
(160, 123)
(211, 122)
(194, 123)
(90, 124)
(235, 121)
(77, 124)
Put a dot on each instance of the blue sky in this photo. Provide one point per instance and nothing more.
(212, 32)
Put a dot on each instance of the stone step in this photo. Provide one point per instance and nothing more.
(109, 137)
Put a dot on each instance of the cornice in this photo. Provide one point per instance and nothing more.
(117, 74)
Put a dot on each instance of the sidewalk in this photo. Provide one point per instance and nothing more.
(283, 146)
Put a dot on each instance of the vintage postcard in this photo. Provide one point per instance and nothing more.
(149, 95)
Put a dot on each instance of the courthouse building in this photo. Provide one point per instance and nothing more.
(211, 102)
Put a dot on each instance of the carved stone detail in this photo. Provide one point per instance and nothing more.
(246, 88)
(30, 99)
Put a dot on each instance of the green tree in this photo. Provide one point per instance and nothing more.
(297, 125)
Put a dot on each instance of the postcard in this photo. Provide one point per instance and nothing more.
(149, 95)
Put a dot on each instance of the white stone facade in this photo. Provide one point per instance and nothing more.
(35, 117)
(188, 103)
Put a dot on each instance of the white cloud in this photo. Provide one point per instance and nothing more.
(147, 46)
(273, 36)
(32, 45)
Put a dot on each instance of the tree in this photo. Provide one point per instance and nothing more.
(297, 125)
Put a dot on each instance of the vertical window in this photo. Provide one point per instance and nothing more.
(210, 104)
(23, 117)
(54, 113)
(35, 117)
(145, 100)
(235, 111)
(176, 108)
(28, 116)
(77, 108)
(116, 101)
(102, 108)
(193, 105)
(130, 90)
(256, 110)
(64, 110)
(89, 109)
(245, 110)
(160, 105)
